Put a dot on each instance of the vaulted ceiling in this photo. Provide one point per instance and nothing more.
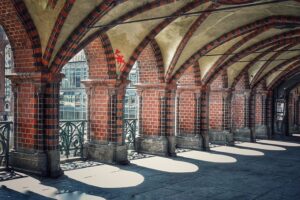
(260, 38)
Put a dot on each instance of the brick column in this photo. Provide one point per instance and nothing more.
(36, 123)
(244, 133)
(188, 117)
(156, 119)
(226, 120)
(106, 98)
(269, 114)
(261, 130)
(204, 116)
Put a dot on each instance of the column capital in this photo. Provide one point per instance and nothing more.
(34, 77)
(188, 87)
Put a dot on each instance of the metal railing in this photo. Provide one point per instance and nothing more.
(72, 135)
(5, 128)
(130, 128)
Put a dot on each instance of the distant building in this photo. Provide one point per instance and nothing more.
(73, 99)
(6, 64)
(130, 103)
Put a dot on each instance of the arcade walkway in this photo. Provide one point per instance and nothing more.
(262, 170)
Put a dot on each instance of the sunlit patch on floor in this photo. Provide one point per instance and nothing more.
(208, 157)
(279, 143)
(260, 146)
(296, 135)
(237, 151)
(166, 165)
(106, 176)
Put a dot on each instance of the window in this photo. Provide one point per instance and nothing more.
(72, 92)
(130, 103)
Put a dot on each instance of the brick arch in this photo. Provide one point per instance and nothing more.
(190, 76)
(61, 18)
(235, 1)
(295, 61)
(182, 71)
(150, 68)
(100, 58)
(269, 21)
(273, 57)
(187, 37)
(22, 35)
(277, 39)
(283, 76)
(250, 64)
(72, 45)
(150, 37)
(242, 83)
(159, 60)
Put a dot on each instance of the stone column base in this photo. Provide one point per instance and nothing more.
(261, 132)
(221, 137)
(157, 145)
(189, 142)
(171, 145)
(243, 135)
(107, 153)
(41, 163)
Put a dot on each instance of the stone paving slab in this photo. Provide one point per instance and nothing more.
(263, 172)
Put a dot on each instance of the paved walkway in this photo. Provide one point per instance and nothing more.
(267, 169)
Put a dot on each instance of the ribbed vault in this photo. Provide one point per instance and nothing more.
(259, 38)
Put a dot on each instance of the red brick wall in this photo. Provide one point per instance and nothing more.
(258, 109)
(19, 40)
(187, 112)
(99, 112)
(188, 78)
(25, 113)
(215, 110)
(148, 70)
(216, 103)
(238, 110)
(96, 58)
(151, 112)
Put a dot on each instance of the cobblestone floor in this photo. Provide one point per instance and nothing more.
(263, 170)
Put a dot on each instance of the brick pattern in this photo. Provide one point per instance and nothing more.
(105, 103)
(57, 28)
(238, 105)
(71, 44)
(149, 71)
(270, 21)
(151, 112)
(273, 57)
(24, 39)
(292, 69)
(280, 39)
(187, 37)
(250, 64)
(187, 112)
(100, 66)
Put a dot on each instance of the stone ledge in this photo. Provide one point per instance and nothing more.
(37, 163)
(156, 145)
(243, 135)
(221, 137)
(261, 132)
(107, 153)
(189, 142)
